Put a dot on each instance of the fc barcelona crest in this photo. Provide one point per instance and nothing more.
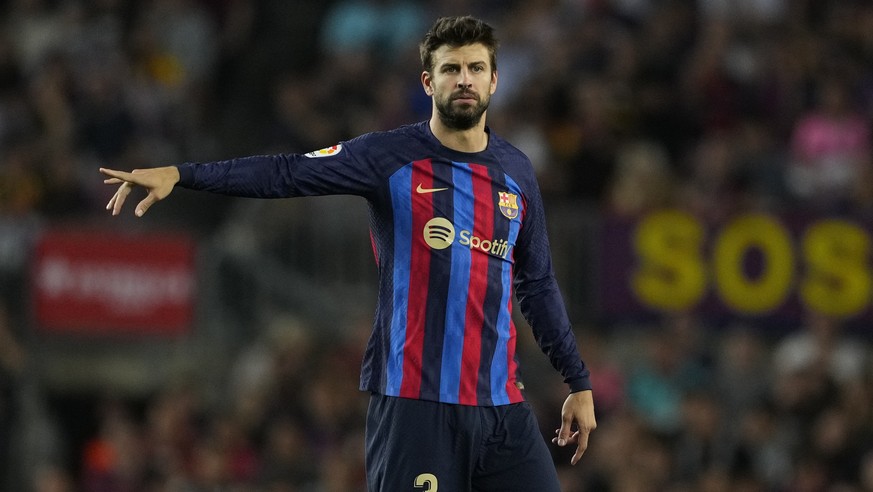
(508, 204)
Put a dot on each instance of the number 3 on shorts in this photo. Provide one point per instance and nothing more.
(426, 479)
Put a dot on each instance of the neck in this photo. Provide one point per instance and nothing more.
(473, 140)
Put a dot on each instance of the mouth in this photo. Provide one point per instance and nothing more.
(466, 97)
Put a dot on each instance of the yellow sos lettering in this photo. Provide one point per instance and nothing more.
(671, 273)
(769, 289)
(837, 280)
(674, 272)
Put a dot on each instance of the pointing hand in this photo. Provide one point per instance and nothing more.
(159, 182)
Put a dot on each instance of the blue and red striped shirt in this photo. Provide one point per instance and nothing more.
(456, 236)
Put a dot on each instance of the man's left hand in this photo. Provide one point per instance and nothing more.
(578, 409)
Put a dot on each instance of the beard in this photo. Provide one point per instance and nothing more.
(461, 117)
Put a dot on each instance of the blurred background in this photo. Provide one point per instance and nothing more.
(706, 167)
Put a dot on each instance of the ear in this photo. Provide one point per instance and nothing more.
(493, 81)
(427, 83)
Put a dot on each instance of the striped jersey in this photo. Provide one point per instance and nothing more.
(456, 237)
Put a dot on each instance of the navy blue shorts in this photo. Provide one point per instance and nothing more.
(416, 445)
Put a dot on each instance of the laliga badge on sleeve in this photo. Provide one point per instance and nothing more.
(325, 152)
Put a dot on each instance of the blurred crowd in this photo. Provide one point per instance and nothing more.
(624, 106)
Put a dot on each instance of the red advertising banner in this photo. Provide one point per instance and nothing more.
(100, 283)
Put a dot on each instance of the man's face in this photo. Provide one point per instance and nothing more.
(461, 83)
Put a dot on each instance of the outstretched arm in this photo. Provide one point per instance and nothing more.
(579, 410)
(159, 182)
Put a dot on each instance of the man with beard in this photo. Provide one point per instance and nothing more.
(458, 228)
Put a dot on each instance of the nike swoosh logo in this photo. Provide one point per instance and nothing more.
(428, 190)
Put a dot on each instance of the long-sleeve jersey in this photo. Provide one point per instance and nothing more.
(453, 234)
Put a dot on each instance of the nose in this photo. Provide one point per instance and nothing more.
(464, 80)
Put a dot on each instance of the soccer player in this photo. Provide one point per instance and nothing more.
(458, 227)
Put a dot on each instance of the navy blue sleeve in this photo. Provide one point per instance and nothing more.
(343, 169)
(539, 297)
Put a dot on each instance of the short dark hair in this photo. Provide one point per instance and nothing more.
(456, 32)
